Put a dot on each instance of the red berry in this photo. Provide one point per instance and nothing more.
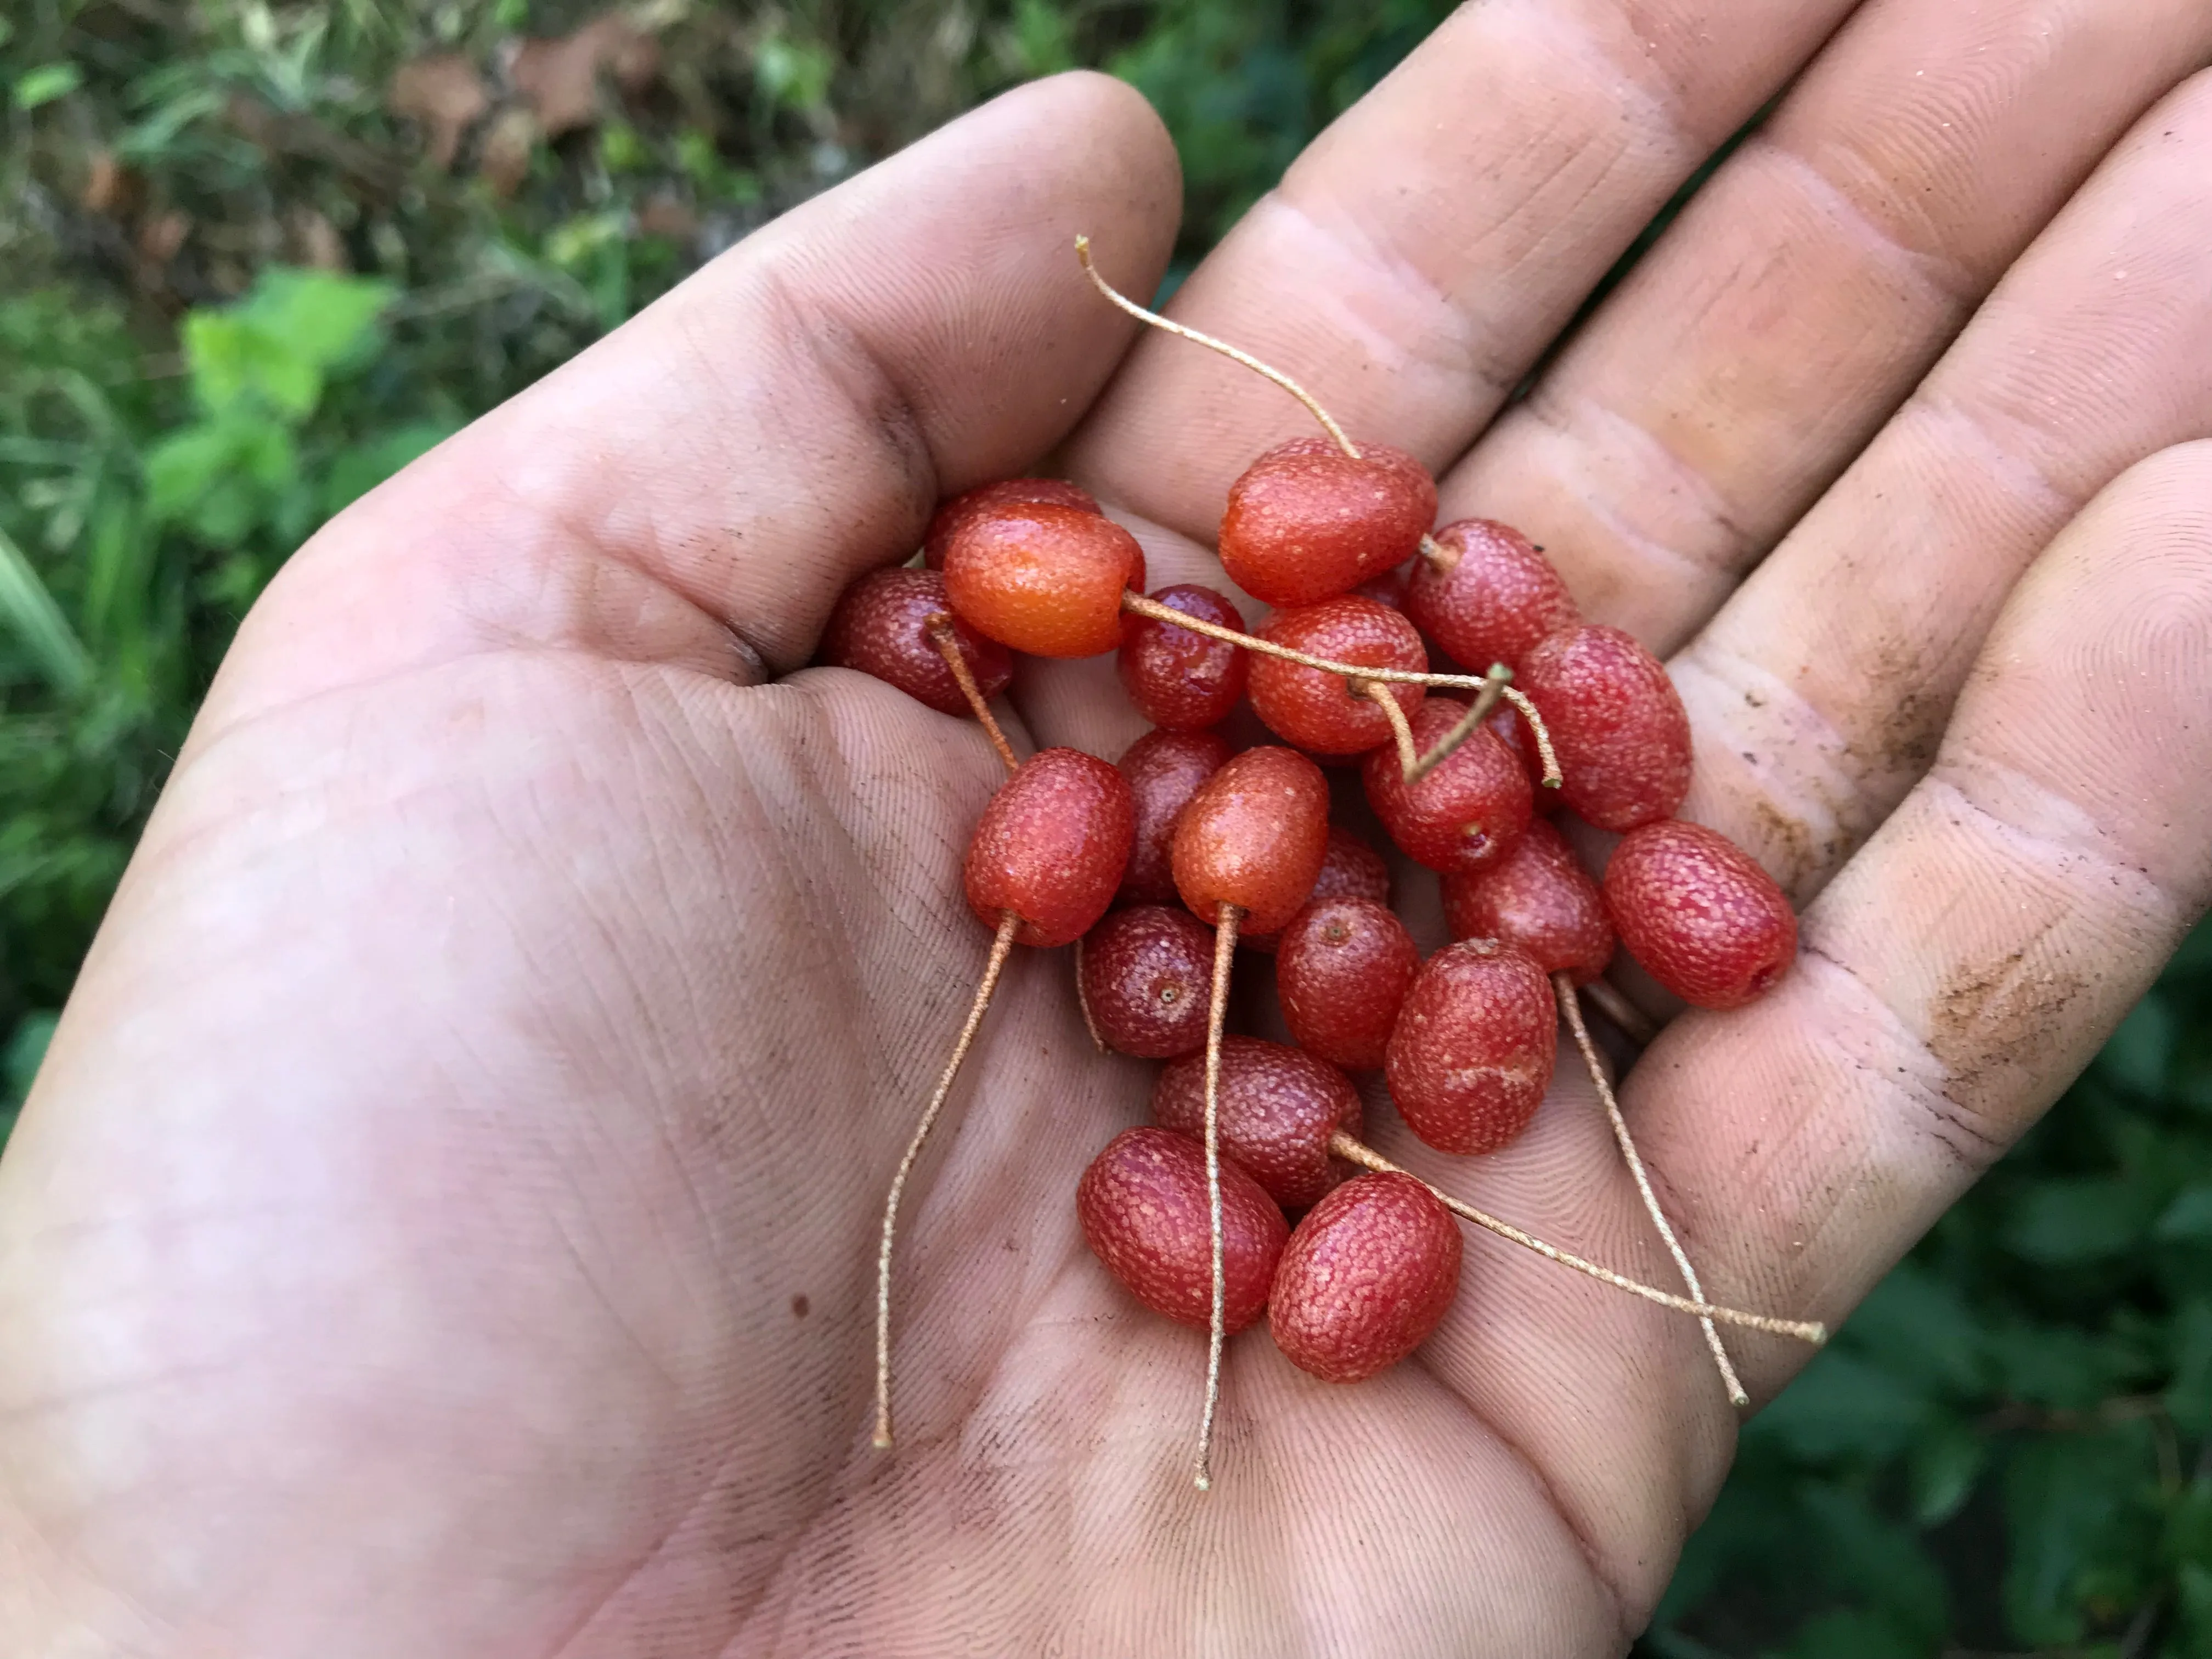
(1510, 728)
(1144, 1210)
(1388, 588)
(881, 627)
(1699, 913)
(1307, 522)
(1182, 681)
(1042, 578)
(1368, 1274)
(1052, 846)
(950, 512)
(1539, 899)
(1622, 738)
(1494, 599)
(1472, 1055)
(1164, 769)
(1466, 811)
(1318, 710)
(1276, 1108)
(1253, 836)
(1350, 868)
(1147, 976)
(1342, 972)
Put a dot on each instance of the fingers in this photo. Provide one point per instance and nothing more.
(1427, 246)
(1806, 287)
(1970, 960)
(701, 485)
(1817, 692)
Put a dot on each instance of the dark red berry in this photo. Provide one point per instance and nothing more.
(1350, 868)
(1042, 578)
(881, 627)
(1467, 810)
(1147, 973)
(1308, 522)
(1388, 588)
(1621, 735)
(1700, 915)
(1491, 596)
(1318, 710)
(1368, 1274)
(1052, 846)
(1143, 1207)
(950, 512)
(1253, 836)
(1182, 681)
(1164, 769)
(1342, 971)
(1472, 1055)
(1275, 1111)
(1539, 899)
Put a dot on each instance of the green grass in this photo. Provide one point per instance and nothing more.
(2005, 1451)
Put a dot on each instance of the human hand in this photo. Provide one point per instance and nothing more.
(446, 1219)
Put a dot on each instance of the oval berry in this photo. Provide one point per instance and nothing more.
(1275, 1110)
(1147, 978)
(882, 626)
(1342, 971)
(1473, 1051)
(1539, 899)
(1318, 710)
(1618, 728)
(1143, 1207)
(1253, 836)
(1700, 915)
(1350, 868)
(952, 512)
(1465, 812)
(1163, 770)
(1042, 578)
(1182, 681)
(1367, 1276)
(1307, 522)
(1051, 846)
(1489, 597)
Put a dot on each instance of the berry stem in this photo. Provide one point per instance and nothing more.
(1615, 1006)
(1224, 954)
(1564, 984)
(947, 642)
(1352, 1151)
(1401, 729)
(1083, 1001)
(1440, 557)
(1001, 947)
(1494, 687)
(1312, 404)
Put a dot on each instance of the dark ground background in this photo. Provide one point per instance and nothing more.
(256, 259)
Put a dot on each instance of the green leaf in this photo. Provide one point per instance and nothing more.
(46, 83)
(320, 317)
(1855, 1635)
(794, 73)
(1942, 1466)
(1841, 1405)
(26, 1053)
(2193, 1639)
(2140, 1055)
(277, 344)
(2068, 1504)
(28, 611)
(2061, 1367)
(2069, 1222)
(1877, 1563)
(2189, 1395)
(1916, 1326)
(2189, 1217)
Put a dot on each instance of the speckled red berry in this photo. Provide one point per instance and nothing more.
(1370, 1273)
(1163, 770)
(1253, 836)
(1700, 915)
(1539, 899)
(1473, 1051)
(1620, 730)
(1489, 597)
(881, 627)
(1318, 710)
(1307, 522)
(1006, 491)
(1051, 846)
(1467, 810)
(1275, 1111)
(1179, 680)
(1147, 973)
(1342, 972)
(1042, 578)
(1350, 868)
(1143, 1207)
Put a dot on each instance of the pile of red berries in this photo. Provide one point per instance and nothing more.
(1203, 848)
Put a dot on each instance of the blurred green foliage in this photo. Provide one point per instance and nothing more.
(239, 295)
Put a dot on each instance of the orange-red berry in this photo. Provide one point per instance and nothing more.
(1308, 522)
(1051, 846)
(953, 510)
(1318, 710)
(1490, 597)
(1619, 729)
(1539, 899)
(1342, 971)
(1182, 681)
(1042, 578)
(1253, 836)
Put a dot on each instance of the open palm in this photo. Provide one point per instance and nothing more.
(444, 1222)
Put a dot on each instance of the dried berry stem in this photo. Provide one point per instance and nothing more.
(1542, 732)
(1440, 557)
(1001, 947)
(1409, 757)
(947, 642)
(1312, 404)
(1224, 954)
(1616, 1007)
(1083, 1001)
(1564, 984)
(1352, 1151)
(1494, 687)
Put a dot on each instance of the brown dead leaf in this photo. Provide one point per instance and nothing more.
(163, 235)
(315, 240)
(560, 79)
(444, 95)
(669, 217)
(504, 160)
